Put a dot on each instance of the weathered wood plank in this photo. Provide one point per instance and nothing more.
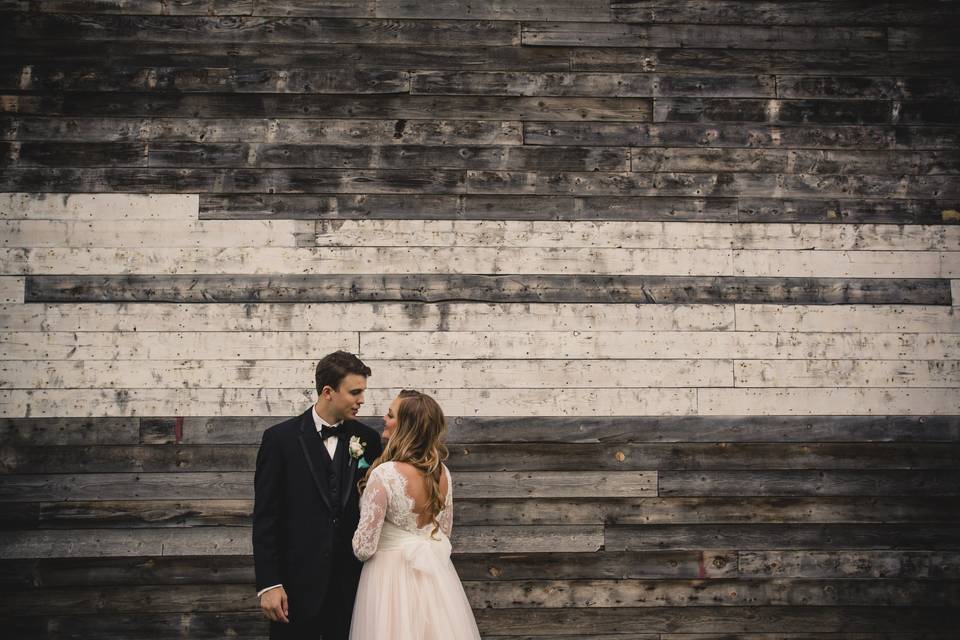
(462, 374)
(774, 61)
(137, 514)
(12, 290)
(388, 261)
(267, 130)
(862, 210)
(839, 264)
(160, 180)
(63, 431)
(334, 106)
(693, 184)
(793, 161)
(746, 135)
(401, 317)
(720, 36)
(850, 564)
(862, 319)
(288, 402)
(500, 457)
(328, 8)
(847, 373)
(476, 288)
(467, 207)
(589, 84)
(268, 155)
(924, 38)
(595, 234)
(136, 345)
(875, 88)
(598, 10)
(806, 401)
(762, 537)
(780, 111)
(232, 541)
(31, 206)
(808, 483)
(666, 429)
(720, 345)
(275, 30)
(68, 77)
(818, 12)
(144, 233)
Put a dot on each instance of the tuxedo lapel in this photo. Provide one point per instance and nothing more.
(349, 469)
(312, 447)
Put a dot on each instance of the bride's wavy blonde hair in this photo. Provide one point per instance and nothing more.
(419, 441)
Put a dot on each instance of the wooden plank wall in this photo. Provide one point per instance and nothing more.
(684, 275)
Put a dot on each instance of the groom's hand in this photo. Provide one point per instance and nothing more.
(273, 603)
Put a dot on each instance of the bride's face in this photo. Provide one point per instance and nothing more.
(390, 419)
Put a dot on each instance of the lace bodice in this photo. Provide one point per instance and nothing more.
(385, 498)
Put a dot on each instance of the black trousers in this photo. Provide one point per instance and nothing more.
(332, 623)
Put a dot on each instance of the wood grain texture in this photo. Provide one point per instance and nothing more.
(476, 288)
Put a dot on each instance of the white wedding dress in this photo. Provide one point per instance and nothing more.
(409, 588)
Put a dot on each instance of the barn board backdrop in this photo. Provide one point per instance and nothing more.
(684, 275)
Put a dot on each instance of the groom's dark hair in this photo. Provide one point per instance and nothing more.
(334, 368)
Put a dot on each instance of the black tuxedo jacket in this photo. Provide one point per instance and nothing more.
(306, 510)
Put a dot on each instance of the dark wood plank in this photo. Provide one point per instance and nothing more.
(440, 288)
(781, 536)
(773, 61)
(893, 482)
(761, 136)
(937, 37)
(276, 30)
(810, 12)
(69, 431)
(465, 207)
(327, 8)
(789, 111)
(284, 105)
(378, 57)
(874, 88)
(257, 130)
(157, 455)
(589, 84)
(70, 77)
(502, 10)
(851, 564)
(720, 36)
(623, 429)
(862, 210)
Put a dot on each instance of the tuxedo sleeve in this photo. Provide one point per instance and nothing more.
(267, 512)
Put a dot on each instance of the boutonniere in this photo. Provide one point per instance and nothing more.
(357, 449)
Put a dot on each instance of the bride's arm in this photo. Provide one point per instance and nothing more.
(373, 510)
(446, 516)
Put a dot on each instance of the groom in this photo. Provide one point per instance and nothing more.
(307, 507)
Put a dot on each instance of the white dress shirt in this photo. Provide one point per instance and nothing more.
(331, 444)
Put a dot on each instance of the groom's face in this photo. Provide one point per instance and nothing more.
(347, 399)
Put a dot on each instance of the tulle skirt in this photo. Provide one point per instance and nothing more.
(410, 590)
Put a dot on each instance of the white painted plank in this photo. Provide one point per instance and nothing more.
(442, 374)
(652, 344)
(362, 316)
(12, 290)
(152, 233)
(848, 373)
(847, 318)
(837, 264)
(637, 235)
(99, 206)
(368, 260)
(290, 402)
(950, 264)
(171, 346)
(793, 401)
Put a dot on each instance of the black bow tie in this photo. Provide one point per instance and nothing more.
(327, 431)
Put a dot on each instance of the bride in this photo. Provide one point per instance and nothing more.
(409, 588)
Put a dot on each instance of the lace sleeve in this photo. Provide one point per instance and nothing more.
(373, 510)
(446, 516)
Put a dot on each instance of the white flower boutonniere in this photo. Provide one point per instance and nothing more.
(357, 449)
